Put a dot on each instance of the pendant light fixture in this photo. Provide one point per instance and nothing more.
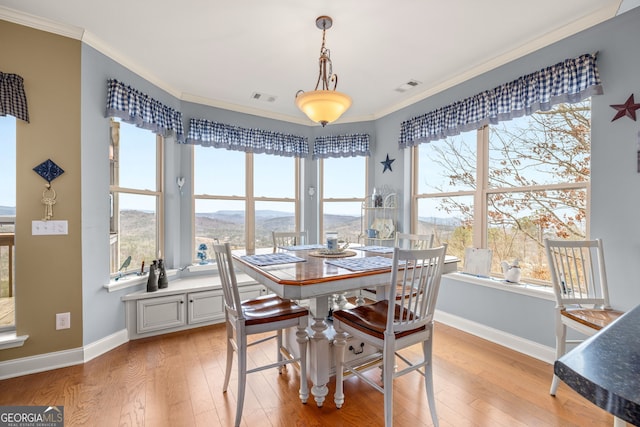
(324, 105)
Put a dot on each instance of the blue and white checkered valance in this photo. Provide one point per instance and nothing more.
(13, 99)
(220, 135)
(341, 146)
(133, 106)
(569, 81)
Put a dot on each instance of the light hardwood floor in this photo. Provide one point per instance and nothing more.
(176, 380)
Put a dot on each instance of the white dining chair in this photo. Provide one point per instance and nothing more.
(414, 241)
(579, 280)
(393, 324)
(402, 241)
(283, 239)
(268, 313)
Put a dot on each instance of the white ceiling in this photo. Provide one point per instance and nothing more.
(220, 53)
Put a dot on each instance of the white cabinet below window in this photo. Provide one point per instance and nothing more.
(185, 304)
(160, 313)
(205, 306)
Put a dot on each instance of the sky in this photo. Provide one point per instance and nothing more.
(8, 161)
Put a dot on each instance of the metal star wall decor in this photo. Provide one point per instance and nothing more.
(387, 164)
(627, 109)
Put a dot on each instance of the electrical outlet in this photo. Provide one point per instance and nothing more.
(63, 321)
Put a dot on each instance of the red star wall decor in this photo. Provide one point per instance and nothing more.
(627, 109)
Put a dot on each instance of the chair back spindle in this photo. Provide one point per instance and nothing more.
(227, 275)
(283, 239)
(414, 241)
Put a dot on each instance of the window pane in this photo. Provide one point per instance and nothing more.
(344, 218)
(7, 219)
(136, 158)
(519, 223)
(219, 219)
(218, 171)
(344, 177)
(273, 216)
(137, 229)
(450, 219)
(275, 176)
(8, 165)
(134, 227)
(543, 148)
(448, 165)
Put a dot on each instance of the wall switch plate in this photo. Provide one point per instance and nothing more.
(42, 228)
(63, 321)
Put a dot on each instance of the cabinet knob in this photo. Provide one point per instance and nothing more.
(190, 300)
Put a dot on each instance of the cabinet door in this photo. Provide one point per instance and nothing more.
(161, 313)
(206, 306)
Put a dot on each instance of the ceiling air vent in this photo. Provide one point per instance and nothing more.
(263, 97)
(407, 86)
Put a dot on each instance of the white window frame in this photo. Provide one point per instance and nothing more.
(482, 192)
(116, 189)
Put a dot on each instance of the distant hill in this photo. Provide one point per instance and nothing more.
(7, 210)
(237, 214)
(446, 222)
(229, 225)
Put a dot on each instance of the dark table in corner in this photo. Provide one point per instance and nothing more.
(605, 368)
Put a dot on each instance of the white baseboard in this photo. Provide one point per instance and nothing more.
(514, 342)
(105, 344)
(61, 359)
(40, 363)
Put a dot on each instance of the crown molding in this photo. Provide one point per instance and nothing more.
(38, 23)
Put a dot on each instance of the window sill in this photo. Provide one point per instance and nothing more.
(210, 266)
(10, 340)
(132, 280)
(536, 291)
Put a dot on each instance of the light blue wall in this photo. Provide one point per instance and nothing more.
(615, 198)
(103, 312)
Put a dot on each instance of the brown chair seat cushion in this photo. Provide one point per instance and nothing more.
(270, 308)
(593, 318)
(371, 319)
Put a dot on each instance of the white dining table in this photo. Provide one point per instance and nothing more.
(314, 278)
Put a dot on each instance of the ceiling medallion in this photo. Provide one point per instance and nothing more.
(323, 105)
